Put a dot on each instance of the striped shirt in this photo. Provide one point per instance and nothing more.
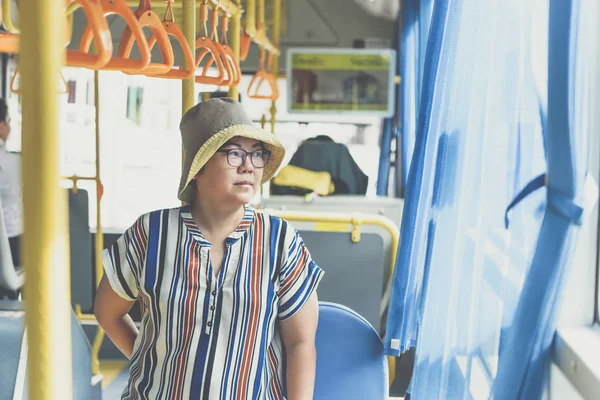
(204, 336)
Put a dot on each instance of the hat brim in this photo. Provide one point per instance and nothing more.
(215, 142)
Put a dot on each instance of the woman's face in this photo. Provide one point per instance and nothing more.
(233, 174)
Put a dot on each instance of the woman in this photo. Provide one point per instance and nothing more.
(227, 293)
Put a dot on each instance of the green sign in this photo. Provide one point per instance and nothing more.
(359, 81)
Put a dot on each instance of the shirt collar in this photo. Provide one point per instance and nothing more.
(239, 232)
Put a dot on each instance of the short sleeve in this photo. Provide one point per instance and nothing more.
(123, 261)
(299, 275)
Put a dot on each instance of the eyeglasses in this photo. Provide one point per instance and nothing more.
(237, 157)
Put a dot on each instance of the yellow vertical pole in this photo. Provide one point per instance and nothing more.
(261, 15)
(234, 38)
(99, 236)
(46, 238)
(189, 31)
(275, 70)
(250, 18)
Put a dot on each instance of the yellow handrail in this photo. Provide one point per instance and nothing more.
(99, 242)
(354, 220)
(221, 5)
(45, 245)
(260, 38)
(7, 21)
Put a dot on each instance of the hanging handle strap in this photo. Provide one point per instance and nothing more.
(133, 30)
(174, 30)
(101, 35)
(261, 77)
(234, 72)
(208, 48)
(146, 17)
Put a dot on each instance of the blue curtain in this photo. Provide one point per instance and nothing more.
(478, 282)
(387, 132)
(410, 41)
(479, 141)
(524, 362)
(416, 19)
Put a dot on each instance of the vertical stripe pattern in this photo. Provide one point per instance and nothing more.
(204, 336)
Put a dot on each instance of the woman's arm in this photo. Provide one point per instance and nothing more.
(111, 312)
(298, 334)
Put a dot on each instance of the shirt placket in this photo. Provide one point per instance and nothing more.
(215, 285)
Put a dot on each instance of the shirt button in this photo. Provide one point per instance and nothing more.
(214, 293)
(212, 308)
(209, 323)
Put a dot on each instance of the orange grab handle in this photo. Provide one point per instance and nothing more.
(256, 83)
(208, 47)
(228, 77)
(260, 77)
(147, 17)
(120, 7)
(101, 33)
(237, 71)
(234, 73)
(174, 30)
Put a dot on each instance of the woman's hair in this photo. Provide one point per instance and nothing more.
(3, 110)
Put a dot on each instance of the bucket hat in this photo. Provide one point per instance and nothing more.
(209, 125)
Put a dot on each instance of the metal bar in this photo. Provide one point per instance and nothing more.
(234, 39)
(7, 17)
(221, 5)
(235, 9)
(46, 237)
(189, 31)
(99, 237)
(263, 42)
(261, 14)
(78, 178)
(250, 20)
(260, 38)
(275, 60)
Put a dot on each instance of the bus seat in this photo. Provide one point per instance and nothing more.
(385, 206)
(83, 281)
(351, 364)
(14, 352)
(357, 270)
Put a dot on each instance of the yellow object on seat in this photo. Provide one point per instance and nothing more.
(296, 177)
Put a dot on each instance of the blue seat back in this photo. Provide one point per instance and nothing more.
(350, 360)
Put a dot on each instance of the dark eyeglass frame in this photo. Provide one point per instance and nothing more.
(245, 155)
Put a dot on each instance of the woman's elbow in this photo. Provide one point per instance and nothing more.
(108, 305)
